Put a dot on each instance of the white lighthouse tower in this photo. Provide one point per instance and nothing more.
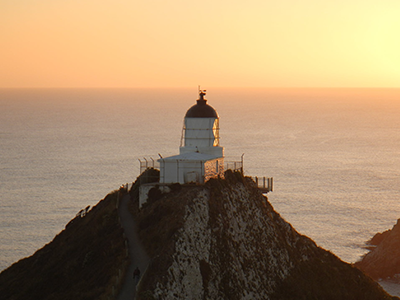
(200, 155)
(201, 129)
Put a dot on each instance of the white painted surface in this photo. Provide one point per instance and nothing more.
(202, 135)
(145, 188)
(201, 132)
(185, 167)
(200, 156)
(175, 170)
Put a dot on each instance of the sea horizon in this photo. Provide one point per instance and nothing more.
(332, 152)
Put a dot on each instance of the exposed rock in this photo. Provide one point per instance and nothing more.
(383, 261)
(221, 240)
(227, 242)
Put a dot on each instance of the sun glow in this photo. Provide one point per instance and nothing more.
(218, 43)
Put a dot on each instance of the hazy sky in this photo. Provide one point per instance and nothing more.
(183, 43)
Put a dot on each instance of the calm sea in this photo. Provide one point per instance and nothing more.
(333, 153)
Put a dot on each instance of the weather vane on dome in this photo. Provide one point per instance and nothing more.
(202, 93)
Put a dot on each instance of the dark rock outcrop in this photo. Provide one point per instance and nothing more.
(378, 238)
(384, 260)
(82, 262)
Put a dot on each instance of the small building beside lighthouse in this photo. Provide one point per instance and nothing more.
(200, 155)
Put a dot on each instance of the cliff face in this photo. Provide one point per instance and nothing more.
(222, 240)
(82, 262)
(227, 242)
(384, 260)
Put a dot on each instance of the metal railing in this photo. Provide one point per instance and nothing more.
(233, 165)
(265, 184)
(148, 164)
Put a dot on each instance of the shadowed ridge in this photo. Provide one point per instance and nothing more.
(82, 261)
(221, 240)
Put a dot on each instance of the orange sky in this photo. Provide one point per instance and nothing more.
(180, 43)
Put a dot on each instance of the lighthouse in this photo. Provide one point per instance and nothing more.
(200, 155)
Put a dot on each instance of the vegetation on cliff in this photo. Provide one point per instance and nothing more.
(221, 240)
(82, 262)
(224, 240)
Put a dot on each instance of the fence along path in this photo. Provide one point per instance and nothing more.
(137, 254)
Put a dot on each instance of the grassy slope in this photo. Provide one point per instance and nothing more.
(80, 263)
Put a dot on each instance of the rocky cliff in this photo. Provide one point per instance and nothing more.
(221, 240)
(225, 241)
(383, 261)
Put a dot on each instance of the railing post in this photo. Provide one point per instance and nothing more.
(140, 166)
(152, 162)
(264, 182)
(241, 167)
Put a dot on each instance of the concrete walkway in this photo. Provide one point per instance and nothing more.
(137, 253)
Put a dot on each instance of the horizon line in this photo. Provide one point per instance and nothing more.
(209, 87)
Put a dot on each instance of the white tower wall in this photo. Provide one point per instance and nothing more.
(201, 135)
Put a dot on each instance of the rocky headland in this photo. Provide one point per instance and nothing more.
(225, 241)
(383, 261)
(221, 240)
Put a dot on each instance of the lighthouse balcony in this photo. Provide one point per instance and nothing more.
(215, 151)
(224, 163)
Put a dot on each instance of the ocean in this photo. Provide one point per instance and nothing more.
(333, 154)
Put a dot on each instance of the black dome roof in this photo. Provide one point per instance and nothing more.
(201, 109)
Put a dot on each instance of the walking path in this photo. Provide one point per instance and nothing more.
(137, 253)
